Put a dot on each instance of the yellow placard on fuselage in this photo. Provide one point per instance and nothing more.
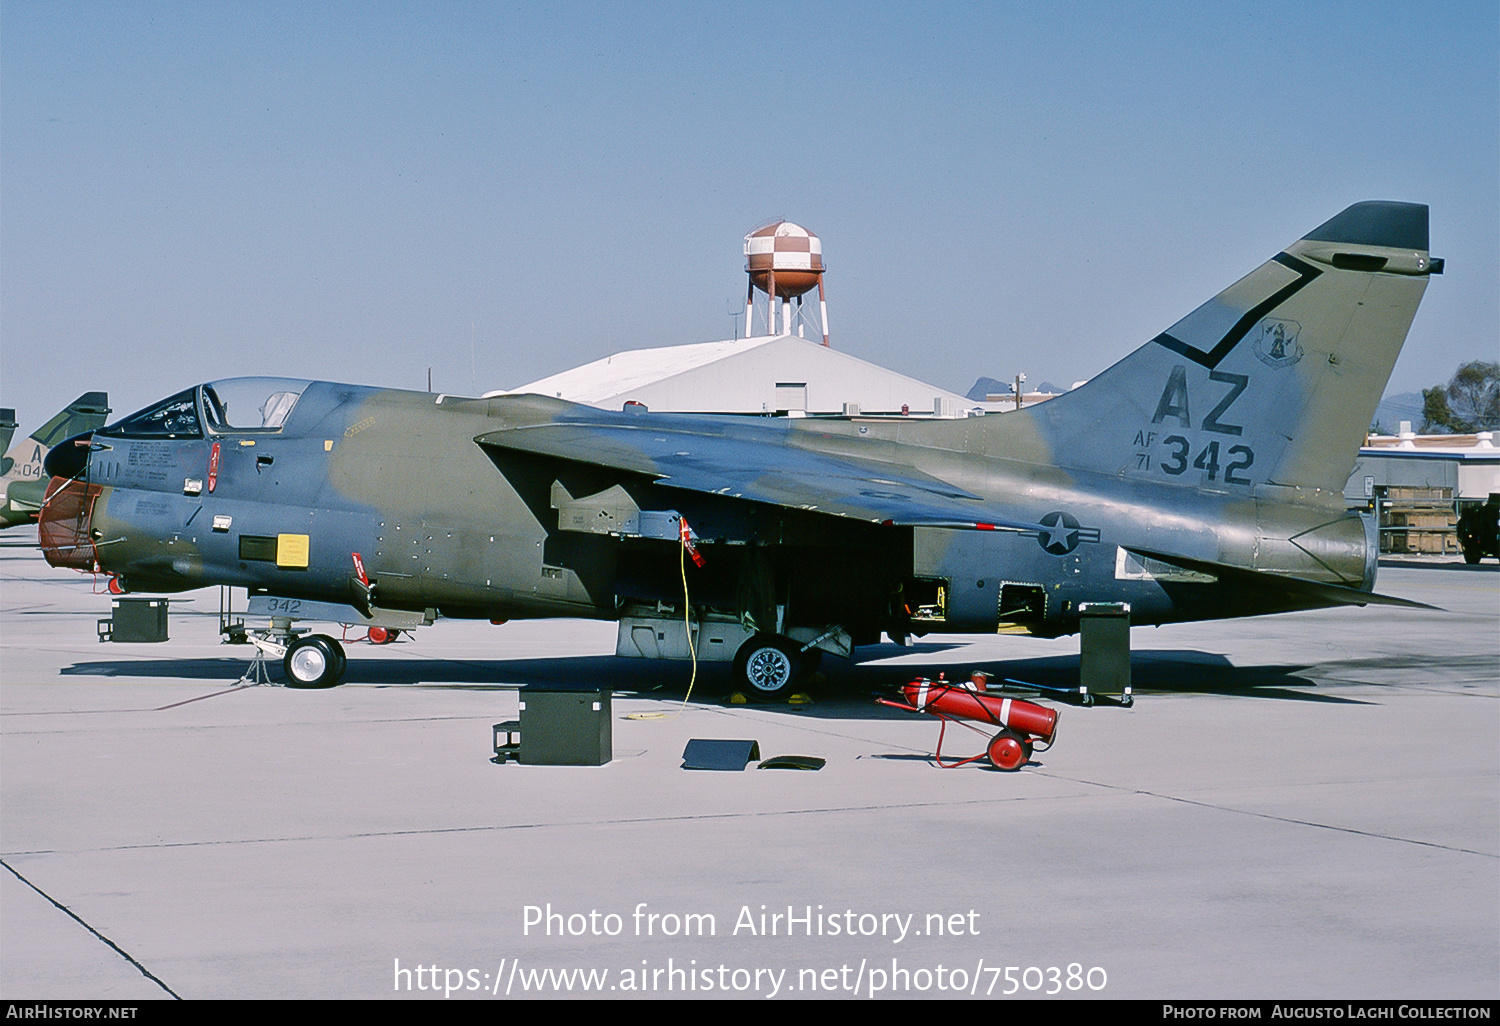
(291, 550)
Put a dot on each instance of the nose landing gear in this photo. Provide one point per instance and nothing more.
(309, 661)
(314, 661)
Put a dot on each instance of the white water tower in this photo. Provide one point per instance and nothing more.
(784, 261)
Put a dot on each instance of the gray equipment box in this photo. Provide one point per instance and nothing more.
(136, 619)
(1104, 659)
(566, 728)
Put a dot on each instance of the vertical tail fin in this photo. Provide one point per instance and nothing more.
(22, 462)
(1271, 382)
(7, 428)
(86, 413)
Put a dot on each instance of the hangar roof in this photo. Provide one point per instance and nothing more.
(632, 369)
(752, 375)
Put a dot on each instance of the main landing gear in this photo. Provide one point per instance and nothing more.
(771, 666)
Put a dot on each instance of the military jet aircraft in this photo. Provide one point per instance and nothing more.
(21, 477)
(1200, 477)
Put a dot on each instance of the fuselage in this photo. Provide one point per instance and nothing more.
(318, 490)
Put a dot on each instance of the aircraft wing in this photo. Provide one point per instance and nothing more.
(739, 465)
(1327, 594)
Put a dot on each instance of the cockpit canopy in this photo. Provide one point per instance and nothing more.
(231, 405)
(251, 404)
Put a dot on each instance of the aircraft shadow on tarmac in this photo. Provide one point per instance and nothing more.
(845, 690)
(1417, 564)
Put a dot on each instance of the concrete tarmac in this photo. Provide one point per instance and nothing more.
(1300, 806)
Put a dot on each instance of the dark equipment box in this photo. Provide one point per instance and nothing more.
(136, 619)
(1104, 658)
(566, 728)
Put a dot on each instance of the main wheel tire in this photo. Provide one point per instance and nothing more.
(768, 665)
(315, 661)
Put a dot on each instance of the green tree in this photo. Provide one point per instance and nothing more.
(1469, 402)
(1437, 418)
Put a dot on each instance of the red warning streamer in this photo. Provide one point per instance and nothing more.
(685, 533)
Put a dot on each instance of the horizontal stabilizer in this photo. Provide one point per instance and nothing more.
(1320, 592)
(26, 495)
(744, 462)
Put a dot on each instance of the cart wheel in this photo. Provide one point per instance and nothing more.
(1008, 752)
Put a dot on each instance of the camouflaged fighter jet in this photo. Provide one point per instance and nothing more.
(1200, 477)
(22, 483)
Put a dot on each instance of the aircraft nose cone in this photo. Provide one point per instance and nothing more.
(68, 458)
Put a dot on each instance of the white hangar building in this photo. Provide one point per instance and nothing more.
(765, 374)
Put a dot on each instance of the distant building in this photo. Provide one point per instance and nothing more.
(766, 374)
(1418, 485)
(1007, 400)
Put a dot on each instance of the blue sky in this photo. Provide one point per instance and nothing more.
(361, 191)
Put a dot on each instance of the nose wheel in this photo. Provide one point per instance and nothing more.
(314, 661)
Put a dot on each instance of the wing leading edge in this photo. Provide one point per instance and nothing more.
(761, 470)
